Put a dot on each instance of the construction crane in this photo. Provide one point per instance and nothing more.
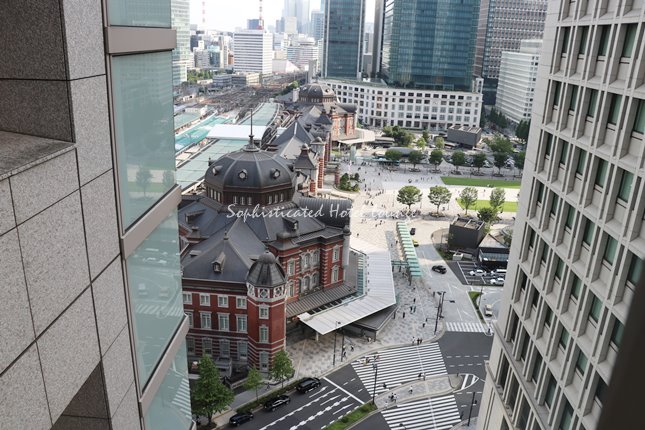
(260, 21)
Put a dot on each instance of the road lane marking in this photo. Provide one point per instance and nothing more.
(344, 390)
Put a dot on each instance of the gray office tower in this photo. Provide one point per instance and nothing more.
(92, 328)
(503, 24)
(428, 43)
(343, 56)
(182, 57)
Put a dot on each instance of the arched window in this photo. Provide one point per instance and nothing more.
(307, 283)
(314, 280)
(307, 260)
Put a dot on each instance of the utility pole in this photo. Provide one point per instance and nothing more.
(335, 333)
(342, 345)
(375, 368)
(472, 402)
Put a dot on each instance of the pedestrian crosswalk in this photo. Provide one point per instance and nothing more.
(466, 327)
(469, 379)
(437, 413)
(400, 365)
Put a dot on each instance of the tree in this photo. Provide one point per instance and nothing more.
(487, 214)
(409, 195)
(499, 160)
(497, 199)
(479, 160)
(439, 142)
(387, 131)
(253, 381)
(144, 176)
(168, 179)
(519, 160)
(439, 195)
(406, 138)
(468, 197)
(501, 144)
(393, 155)
(415, 157)
(425, 136)
(522, 130)
(421, 144)
(209, 395)
(436, 157)
(458, 159)
(282, 368)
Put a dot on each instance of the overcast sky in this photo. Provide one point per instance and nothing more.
(229, 14)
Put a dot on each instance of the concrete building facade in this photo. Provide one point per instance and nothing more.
(92, 332)
(579, 244)
(253, 51)
(517, 78)
(379, 105)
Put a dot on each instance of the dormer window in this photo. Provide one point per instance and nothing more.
(217, 267)
(218, 263)
(243, 174)
(270, 199)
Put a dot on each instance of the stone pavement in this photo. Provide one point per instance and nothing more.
(430, 387)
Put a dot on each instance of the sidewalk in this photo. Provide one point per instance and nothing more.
(430, 387)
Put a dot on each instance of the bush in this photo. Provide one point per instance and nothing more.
(352, 417)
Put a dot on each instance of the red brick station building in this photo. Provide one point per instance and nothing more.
(257, 251)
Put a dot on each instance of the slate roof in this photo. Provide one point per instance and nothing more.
(265, 272)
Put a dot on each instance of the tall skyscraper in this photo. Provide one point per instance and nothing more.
(578, 249)
(253, 51)
(181, 55)
(300, 10)
(93, 330)
(317, 27)
(517, 76)
(429, 43)
(343, 54)
(503, 24)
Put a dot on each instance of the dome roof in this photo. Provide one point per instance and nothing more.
(249, 168)
(266, 272)
(316, 90)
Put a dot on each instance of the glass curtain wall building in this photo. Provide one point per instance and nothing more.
(429, 44)
(92, 332)
(181, 55)
(343, 56)
(579, 239)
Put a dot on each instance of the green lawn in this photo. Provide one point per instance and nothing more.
(479, 182)
(508, 206)
(352, 417)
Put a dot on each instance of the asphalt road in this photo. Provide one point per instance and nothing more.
(339, 393)
(465, 353)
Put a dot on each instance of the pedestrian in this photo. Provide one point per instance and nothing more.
(384, 386)
(414, 340)
(420, 340)
(414, 300)
(403, 315)
(410, 309)
(424, 325)
(351, 347)
(394, 315)
(419, 375)
(410, 390)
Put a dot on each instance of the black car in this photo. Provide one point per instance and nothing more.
(240, 418)
(276, 402)
(308, 384)
(439, 268)
(413, 231)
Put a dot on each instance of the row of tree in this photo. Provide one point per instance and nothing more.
(401, 136)
(440, 195)
(210, 395)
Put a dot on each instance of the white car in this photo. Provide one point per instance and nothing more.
(497, 281)
(488, 310)
(478, 272)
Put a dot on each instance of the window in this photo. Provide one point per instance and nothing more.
(306, 261)
(588, 233)
(556, 94)
(222, 301)
(264, 361)
(550, 392)
(566, 420)
(205, 320)
(582, 49)
(190, 319)
(336, 254)
(610, 250)
(316, 257)
(635, 270)
(222, 320)
(291, 290)
(188, 298)
(601, 173)
(291, 267)
(242, 350)
(240, 302)
(571, 215)
(596, 309)
(205, 299)
(614, 109)
(190, 344)
(564, 338)
(604, 41)
(564, 152)
(581, 363)
(630, 38)
(264, 312)
(536, 367)
(240, 323)
(601, 391)
(593, 103)
(574, 98)
(565, 40)
(334, 274)
(559, 268)
(639, 120)
(582, 157)
(548, 317)
(617, 333)
(264, 334)
(207, 346)
(576, 287)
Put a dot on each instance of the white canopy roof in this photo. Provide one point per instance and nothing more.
(379, 292)
(236, 131)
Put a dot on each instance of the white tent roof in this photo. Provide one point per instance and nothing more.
(379, 292)
(235, 131)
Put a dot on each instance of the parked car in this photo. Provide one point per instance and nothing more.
(276, 402)
(413, 230)
(415, 242)
(477, 272)
(497, 281)
(439, 268)
(240, 418)
(308, 384)
(488, 310)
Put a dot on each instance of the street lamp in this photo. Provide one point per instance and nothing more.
(335, 332)
(472, 402)
(375, 368)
